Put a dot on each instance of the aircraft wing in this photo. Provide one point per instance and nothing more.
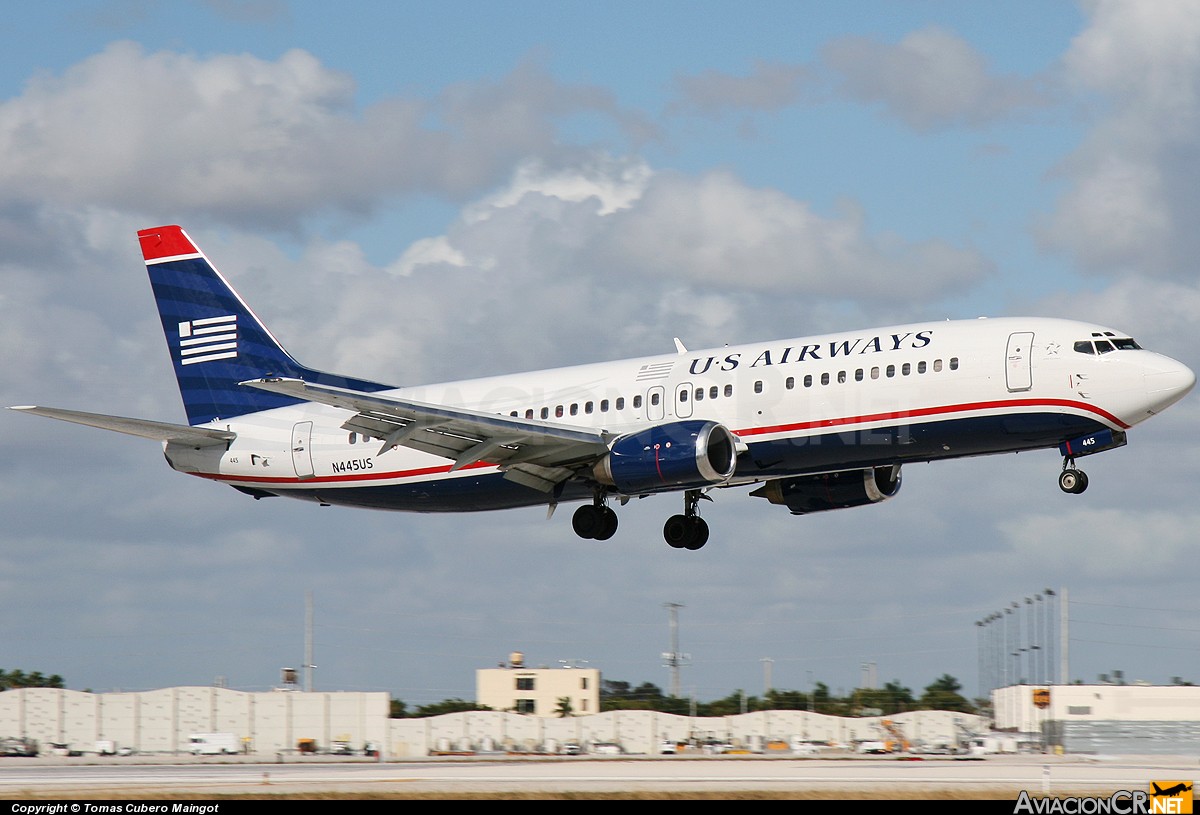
(159, 431)
(535, 453)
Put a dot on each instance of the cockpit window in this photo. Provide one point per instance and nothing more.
(1106, 344)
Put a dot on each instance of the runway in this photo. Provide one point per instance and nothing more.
(996, 777)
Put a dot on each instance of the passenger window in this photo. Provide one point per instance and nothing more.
(790, 382)
(545, 413)
(825, 378)
(841, 377)
(906, 369)
(588, 407)
(683, 396)
(858, 375)
(574, 408)
(729, 390)
(758, 386)
(513, 414)
(712, 392)
(954, 363)
(529, 413)
(637, 401)
(937, 365)
(654, 399)
(558, 411)
(875, 372)
(604, 406)
(621, 402)
(921, 367)
(354, 437)
(808, 380)
(699, 394)
(891, 371)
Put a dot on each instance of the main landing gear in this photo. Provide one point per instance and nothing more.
(689, 530)
(1072, 480)
(596, 520)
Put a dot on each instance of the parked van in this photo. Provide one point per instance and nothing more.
(213, 744)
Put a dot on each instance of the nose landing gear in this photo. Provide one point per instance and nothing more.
(1072, 480)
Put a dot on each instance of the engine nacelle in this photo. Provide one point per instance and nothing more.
(817, 493)
(669, 456)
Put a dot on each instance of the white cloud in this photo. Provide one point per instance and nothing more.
(931, 79)
(563, 260)
(251, 141)
(1131, 185)
(770, 86)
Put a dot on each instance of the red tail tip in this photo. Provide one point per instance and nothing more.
(165, 241)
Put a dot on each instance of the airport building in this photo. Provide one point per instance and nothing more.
(1136, 719)
(1078, 719)
(280, 723)
(538, 691)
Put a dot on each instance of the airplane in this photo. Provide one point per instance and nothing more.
(1172, 791)
(811, 423)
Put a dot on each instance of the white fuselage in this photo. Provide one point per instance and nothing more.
(807, 405)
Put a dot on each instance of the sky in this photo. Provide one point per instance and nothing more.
(421, 192)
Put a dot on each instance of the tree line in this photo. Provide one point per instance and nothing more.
(941, 694)
(19, 679)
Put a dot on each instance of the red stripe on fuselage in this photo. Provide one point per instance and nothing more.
(932, 411)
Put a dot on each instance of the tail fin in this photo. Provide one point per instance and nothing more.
(215, 340)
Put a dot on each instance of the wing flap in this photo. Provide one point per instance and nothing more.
(463, 435)
(159, 431)
(540, 478)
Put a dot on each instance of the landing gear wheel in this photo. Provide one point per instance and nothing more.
(676, 531)
(685, 532)
(587, 521)
(608, 528)
(594, 521)
(1072, 481)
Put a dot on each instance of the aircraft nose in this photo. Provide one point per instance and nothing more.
(1168, 382)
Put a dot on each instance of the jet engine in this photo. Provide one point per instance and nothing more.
(676, 455)
(840, 490)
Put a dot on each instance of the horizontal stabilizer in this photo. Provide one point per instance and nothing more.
(159, 431)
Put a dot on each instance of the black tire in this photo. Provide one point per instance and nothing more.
(1083, 482)
(608, 524)
(587, 521)
(677, 531)
(699, 535)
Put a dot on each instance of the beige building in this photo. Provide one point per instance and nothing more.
(538, 691)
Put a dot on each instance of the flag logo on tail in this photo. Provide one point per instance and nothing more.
(207, 339)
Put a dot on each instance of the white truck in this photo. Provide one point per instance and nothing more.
(213, 744)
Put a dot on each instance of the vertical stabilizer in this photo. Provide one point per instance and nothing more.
(215, 339)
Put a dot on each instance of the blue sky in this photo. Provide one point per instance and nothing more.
(416, 192)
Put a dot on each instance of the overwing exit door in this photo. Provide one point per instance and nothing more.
(302, 449)
(1017, 370)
